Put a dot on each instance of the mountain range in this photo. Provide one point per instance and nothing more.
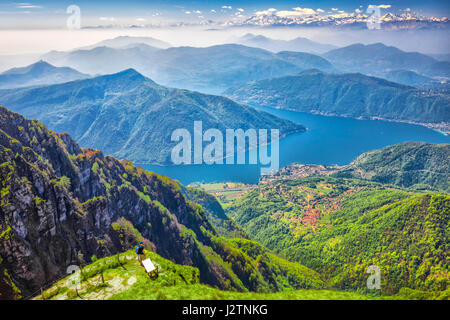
(125, 41)
(130, 116)
(378, 59)
(210, 69)
(352, 95)
(298, 44)
(37, 74)
(216, 68)
(353, 20)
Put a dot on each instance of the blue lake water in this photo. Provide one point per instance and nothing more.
(328, 140)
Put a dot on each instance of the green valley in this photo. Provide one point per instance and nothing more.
(339, 227)
(215, 213)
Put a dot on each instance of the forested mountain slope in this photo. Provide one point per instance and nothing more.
(61, 205)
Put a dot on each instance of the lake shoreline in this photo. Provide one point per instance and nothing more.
(442, 127)
(329, 140)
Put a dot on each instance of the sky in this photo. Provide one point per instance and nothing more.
(39, 26)
(41, 14)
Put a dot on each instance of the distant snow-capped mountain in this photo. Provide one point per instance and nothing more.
(409, 20)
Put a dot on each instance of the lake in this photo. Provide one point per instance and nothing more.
(328, 140)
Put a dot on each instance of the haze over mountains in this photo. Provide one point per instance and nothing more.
(130, 116)
(39, 73)
(119, 113)
(230, 67)
(378, 59)
(298, 44)
(352, 95)
(407, 77)
(211, 69)
(124, 41)
(216, 68)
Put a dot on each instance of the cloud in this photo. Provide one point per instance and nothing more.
(266, 12)
(384, 6)
(141, 19)
(320, 10)
(358, 10)
(27, 6)
(305, 10)
(334, 9)
(187, 12)
(197, 12)
(213, 11)
(16, 12)
(240, 10)
(107, 19)
(297, 12)
(227, 7)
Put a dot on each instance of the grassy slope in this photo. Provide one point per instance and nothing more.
(175, 282)
(260, 271)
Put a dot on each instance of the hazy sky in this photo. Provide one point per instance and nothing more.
(52, 13)
(40, 26)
